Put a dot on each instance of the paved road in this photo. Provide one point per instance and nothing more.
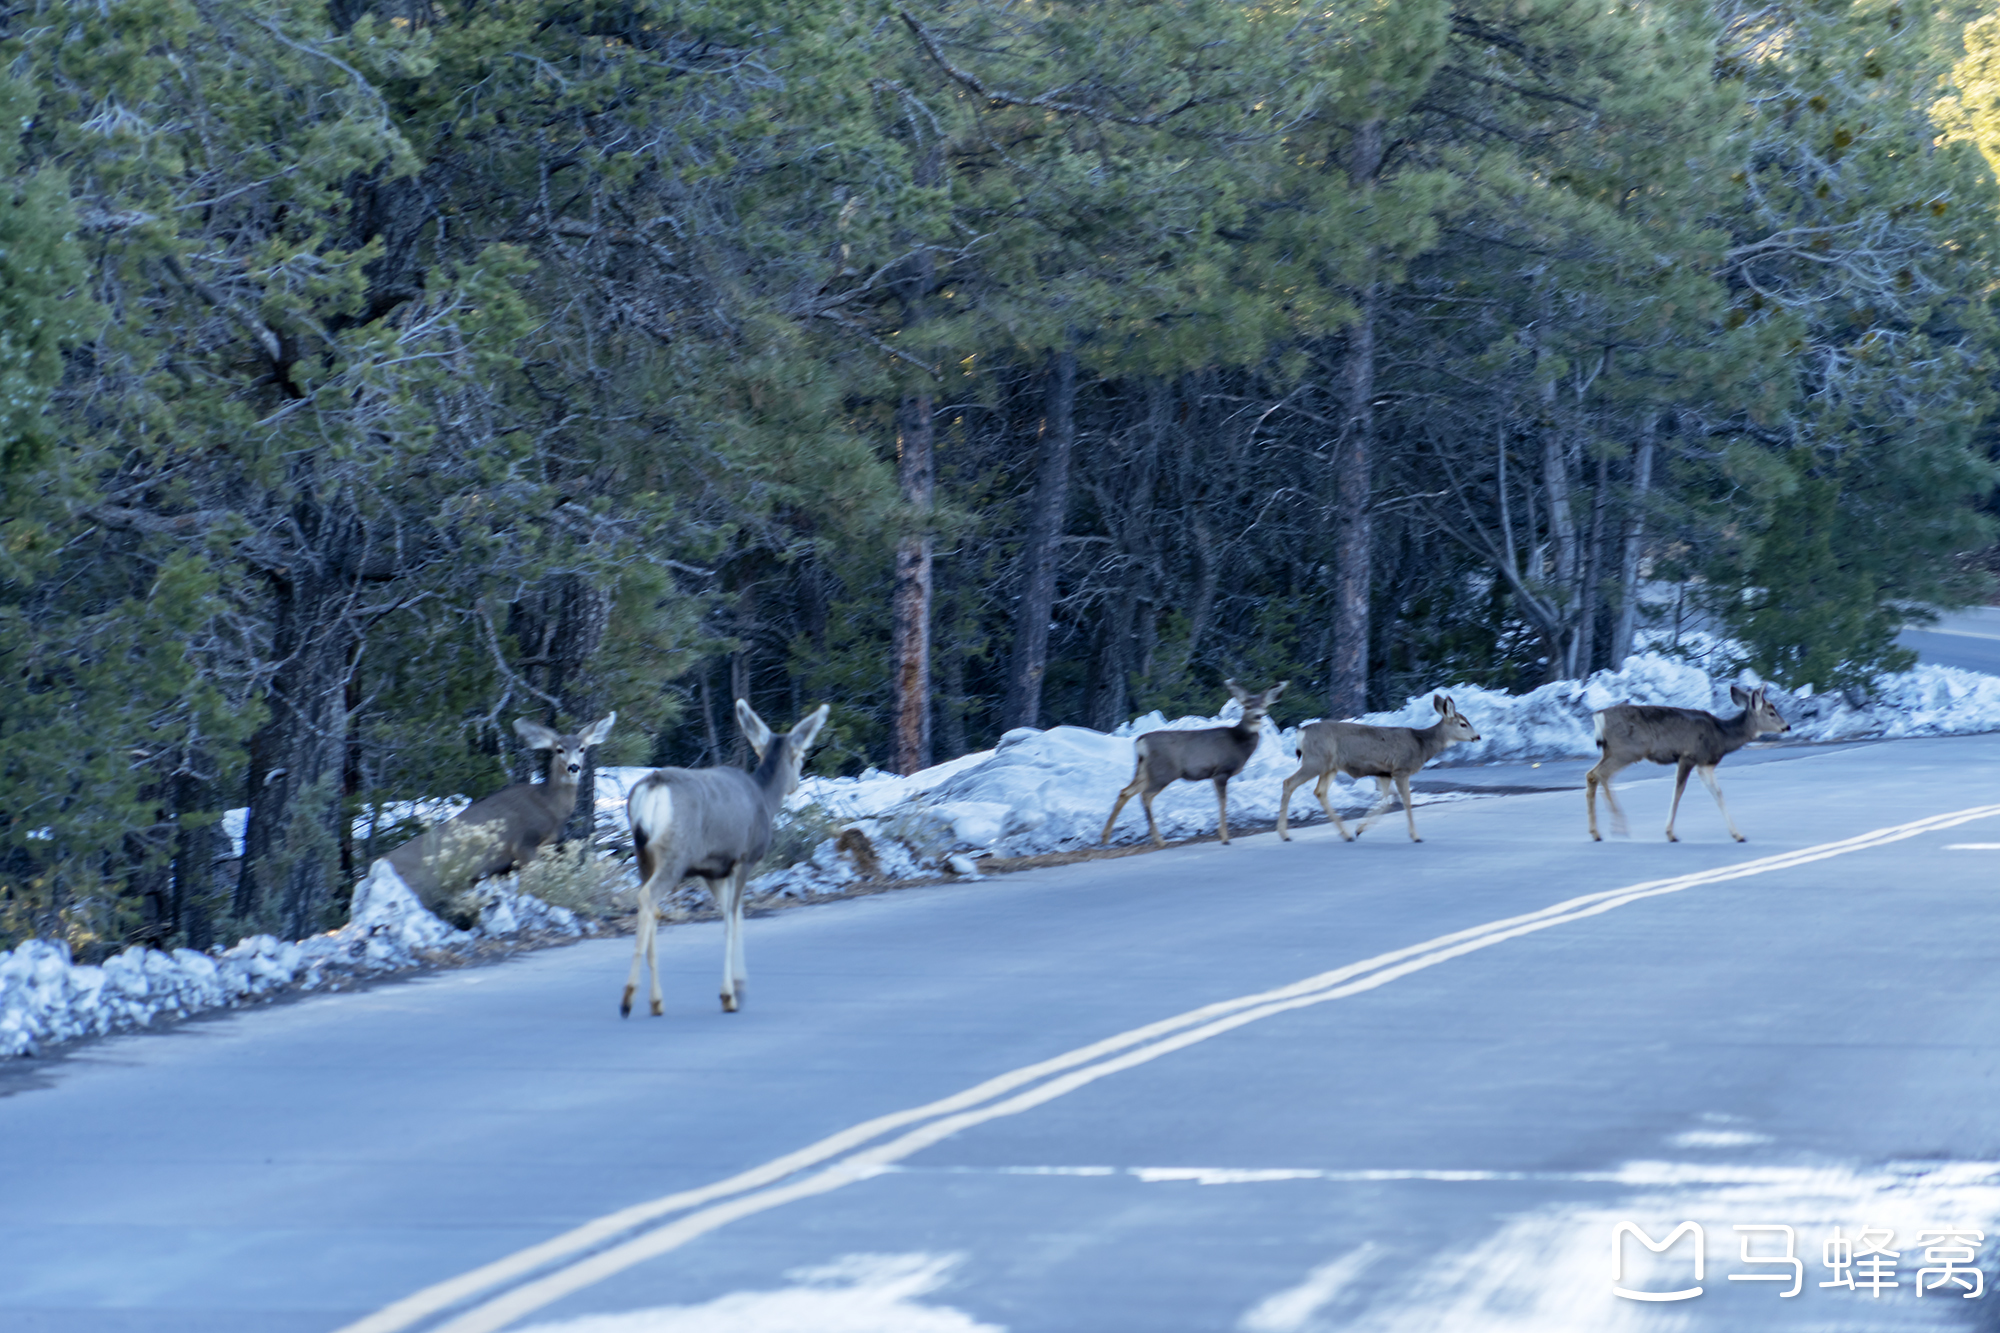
(1416, 1138)
(1968, 639)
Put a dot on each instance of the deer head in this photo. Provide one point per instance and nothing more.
(566, 752)
(1456, 728)
(792, 747)
(1255, 705)
(1762, 712)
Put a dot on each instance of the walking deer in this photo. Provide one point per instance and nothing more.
(1687, 737)
(505, 829)
(714, 823)
(1215, 753)
(1387, 754)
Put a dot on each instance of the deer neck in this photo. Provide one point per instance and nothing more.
(558, 790)
(1431, 740)
(771, 773)
(1738, 731)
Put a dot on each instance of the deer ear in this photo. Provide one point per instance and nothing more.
(598, 730)
(534, 735)
(1439, 702)
(807, 731)
(1241, 694)
(1271, 695)
(753, 726)
(1739, 695)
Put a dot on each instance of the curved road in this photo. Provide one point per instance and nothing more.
(1268, 1087)
(1969, 639)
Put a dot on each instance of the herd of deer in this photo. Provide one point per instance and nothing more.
(716, 823)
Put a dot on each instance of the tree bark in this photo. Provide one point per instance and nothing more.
(910, 652)
(1047, 511)
(1635, 540)
(290, 845)
(1353, 534)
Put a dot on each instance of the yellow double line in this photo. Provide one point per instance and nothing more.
(590, 1253)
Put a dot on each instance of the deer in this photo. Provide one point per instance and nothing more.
(504, 830)
(1689, 738)
(714, 824)
(1215, 753)
(1387, 754)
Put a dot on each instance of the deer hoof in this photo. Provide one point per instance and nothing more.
(728, 1003)
(625, 1005)
(658, 1012)
(1740, 838)
(1595, 836)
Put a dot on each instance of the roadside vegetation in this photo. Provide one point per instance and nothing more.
(378, 371)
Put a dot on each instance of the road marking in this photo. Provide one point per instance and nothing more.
(1972, 847)
(759, 1189)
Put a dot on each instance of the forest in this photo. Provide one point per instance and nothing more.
(380, 371)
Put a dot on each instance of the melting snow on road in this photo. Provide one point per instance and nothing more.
(1549, 1271)
(861, 1293)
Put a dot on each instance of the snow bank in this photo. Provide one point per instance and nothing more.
(1034, 792)
(1049, 791)
(45, 997)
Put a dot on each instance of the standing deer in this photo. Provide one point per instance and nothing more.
(1693, 740)
(1387, 754)
(505, 829)
(1216, 753)
(714, 823)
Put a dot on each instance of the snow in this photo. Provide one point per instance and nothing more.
(1035, 792)
(45, 997)
(1049, 791)
(857, 1293)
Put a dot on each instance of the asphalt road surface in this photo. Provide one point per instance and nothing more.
(1968, 639)
(1267, 1087)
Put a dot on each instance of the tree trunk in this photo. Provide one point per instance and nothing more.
(741, 674)
(1593, 564)
(1635, 540)
(291, 843)
(196, 851)
(1047, 510)
(910, 653)
(1353, 535)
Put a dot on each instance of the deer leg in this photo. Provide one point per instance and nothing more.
(1222, 806)
(1600, 776)
(1152, 824)
(1285, 801)
(1680, 785)
(638, 948)
(1707, 775)
(652, 925)
(1319, 790)
(725, 893)
(1409, 808)
(1384, 791)
(1132, 788)
(736, 950)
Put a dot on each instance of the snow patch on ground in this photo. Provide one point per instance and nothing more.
(1050, 791)
(45, 997)
(1034, 792)
(1548, 1272)
(860, 1293)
